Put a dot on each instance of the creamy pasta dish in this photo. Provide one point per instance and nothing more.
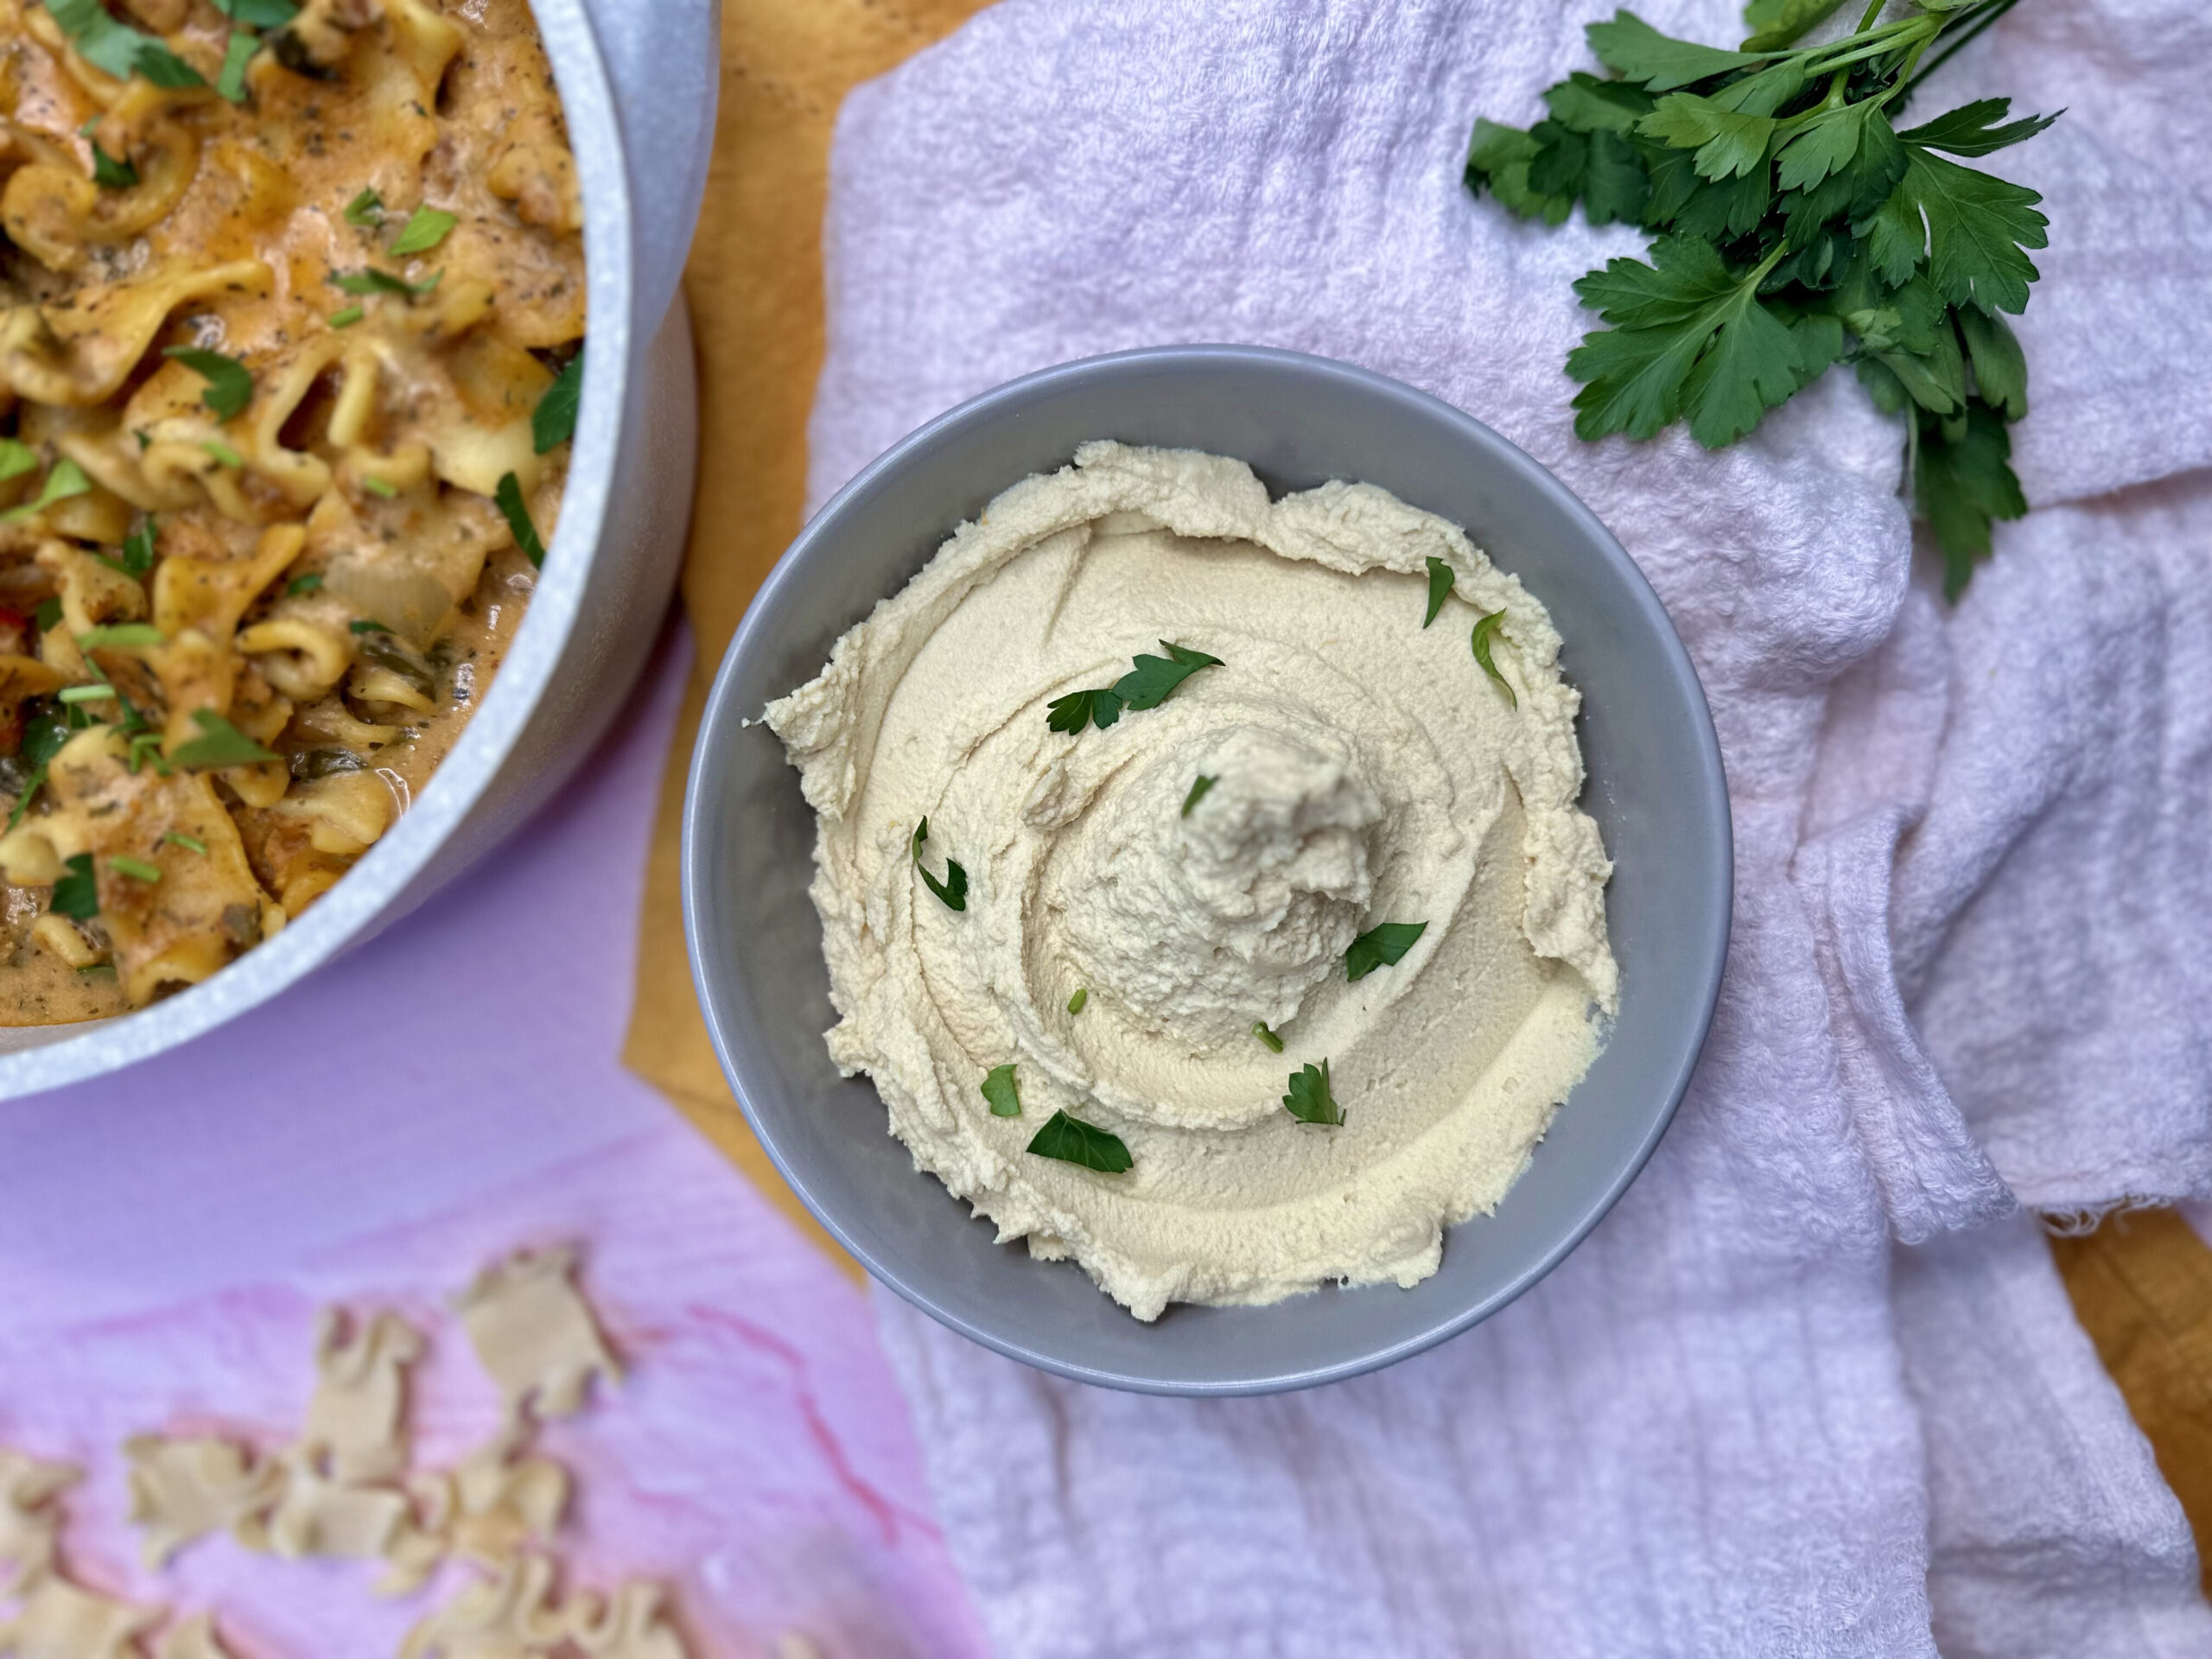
(290, 352)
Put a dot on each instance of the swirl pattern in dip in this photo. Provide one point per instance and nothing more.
(1365, 770)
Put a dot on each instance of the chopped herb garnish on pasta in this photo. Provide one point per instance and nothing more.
(509, 495)
(86, 693)
(307, 584)
(1381, 946)
(238, 51)
(67, 480)
(370, 280)
(48, 614)
(554, 422)
(17, 458)
(1199, 785)
(139, 548)
(999, 1088)
(125, 634)
(220, 744)
(110, 173)
(1071, 1141)
(222, 453)
(230, 386)
(190, 843)
(119, 49)
(365, 211)
(368, 624)
(347, 318)
(258, 14)
(424, 230)
(77, 895)
(377, 486)
(137, 868)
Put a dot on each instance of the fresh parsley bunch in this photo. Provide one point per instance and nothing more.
(1795, 226)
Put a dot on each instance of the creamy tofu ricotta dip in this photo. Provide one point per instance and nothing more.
(1105, 1048)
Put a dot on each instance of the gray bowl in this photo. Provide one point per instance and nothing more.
(1656, 788)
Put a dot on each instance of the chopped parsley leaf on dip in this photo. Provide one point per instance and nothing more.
(1036, 694)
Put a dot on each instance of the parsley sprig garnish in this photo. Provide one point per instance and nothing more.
(1074, 1142)
(953, 890)
(1001, 1090)
(1309, 1100)
(1486, 630)
(1150, 684)
(1440, 578)
(1381, 946)
(1795, 226)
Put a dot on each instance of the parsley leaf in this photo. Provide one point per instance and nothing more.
(1485, 628)
(66, 480)
(220, 744)
(953, 890)
(999, 1088)
(554, 421)
(369, 280)
(1074, 1142)
(1692, 338)
(1154, 678)
(1727, 141)
(425, 229)
(306, 584)
(238, 51)
(1501, 157)
(77, 895)
(110, 173)
(1381, 946)
(139, 548)
(116, 49)
(1440, 578)
(1970, 130)
(258, 14)
(230, 385)
(1260, 1029)
(1199, 785)
(17, 458)
(365, 211)
(1642, 53)
(1962, 480)
(1972, 228)
(1309, 1100)
(509, 495)
(1098, 708)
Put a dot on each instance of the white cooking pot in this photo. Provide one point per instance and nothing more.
(638, 79)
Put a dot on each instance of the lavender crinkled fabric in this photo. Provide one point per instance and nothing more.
(1813, 1387)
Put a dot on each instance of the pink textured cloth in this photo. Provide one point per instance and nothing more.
(444, 1095)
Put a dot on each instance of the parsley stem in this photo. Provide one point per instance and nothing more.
(1996, 10)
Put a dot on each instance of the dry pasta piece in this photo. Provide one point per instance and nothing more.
(184, 1490)
(30, 1518)
(633, 1625)
(492, 1504)
(533, 1334)
(356, 1424)
(507, 1617)
(59, 1620)
(316, 1515)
